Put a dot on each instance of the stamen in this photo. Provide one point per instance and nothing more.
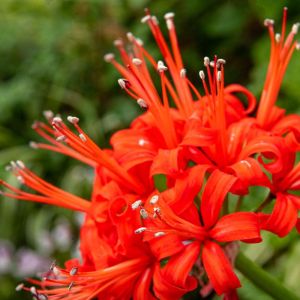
(202, 75)
(33, 145)
(154, 199)
(142, 103)
(123, 83)
(268, 22)
(161, 66)
(20, 164)
(146, 18)
(206, 61)
(295, 28)
(140, 230)
(159, 234)
(19, 287)
(118, 43)
(57, 120)
(137, 61)
(73, 271)
(219, 76)
(135, 205)
(61, 138)
(298, 46)
(109, 57)
(33, 291)
(48, 114)
(130, 36)
(277, 37)
(143, 213)
(183, 73)
(73, 120)
(82, 137)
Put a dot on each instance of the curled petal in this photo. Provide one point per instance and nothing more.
(173, 280)
(216, 189)
(249, 172)
(284, 216)
(219, 269)
(142, 290)
(236, 227)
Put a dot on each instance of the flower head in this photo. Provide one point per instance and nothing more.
(142, 241)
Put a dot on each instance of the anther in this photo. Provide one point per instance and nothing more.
(297, 46)
(146, 19)
(33, 291)
(268, 22)
(109, 57)
(154, 199)
(161, 66)
(206, 61)
(33, 145)
(140, 230)
(73, 271)
(19, 287)
(118, 43)
(135, 205)
(137, 61)
(73, 120)
(61, 138)
(219, 76)
(21, 179)
(57, 120)
(212, 64)
(48, 114)
(154, 20)
(70, 286)
(221, 61)
(143, 213)
(183, 73)
(202, 75)
(82, 137)
(159, 234)
(123, 83)
(295, 28)
(142, 103)
(277, 37)
(156, 210)
(20, 164)
(130, 36)
(139, 41)
(56, 271)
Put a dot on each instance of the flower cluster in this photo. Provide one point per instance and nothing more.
(159, 223)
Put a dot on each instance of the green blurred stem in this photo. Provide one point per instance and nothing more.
(265, 202)
(263, 279)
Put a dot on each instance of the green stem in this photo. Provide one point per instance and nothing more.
(263, 279)
(265, 202)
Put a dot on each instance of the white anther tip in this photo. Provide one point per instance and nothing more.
(219, 75)
(20, 164)
(142, 103)
(277, 37)
(122, 83)
(109, 57)
(202, 75)
(19, 287)
(143, 213)
(33, 290)
(268, 22)
(206, 61)
(118, 43)
(183, 73)
(61, 138)
(145, 19)
(169, 15)
(298, 46)
(57, 120)
(73, 271)
(73, 120)
(48, 114)
(159, 234)
(140, 230)
(33, 145)
(135, 205)
(161, 66)
(82, 137)
(295, 28)
(137, 61)
(154, 199)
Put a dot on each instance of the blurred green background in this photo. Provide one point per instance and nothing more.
(51, 58)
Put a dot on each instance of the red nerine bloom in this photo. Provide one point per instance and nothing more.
(143, 241)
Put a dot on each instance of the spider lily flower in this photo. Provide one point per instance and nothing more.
(164, 224)
(137, 242)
